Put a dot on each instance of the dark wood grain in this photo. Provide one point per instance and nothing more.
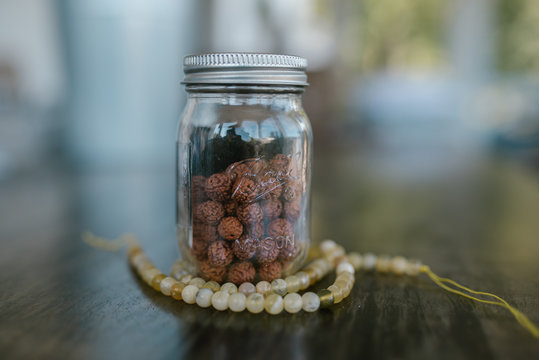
(478, 225)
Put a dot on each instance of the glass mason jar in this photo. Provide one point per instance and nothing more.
(244, 166)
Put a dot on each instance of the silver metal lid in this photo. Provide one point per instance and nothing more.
(245, 68)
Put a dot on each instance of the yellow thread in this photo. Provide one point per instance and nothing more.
(519, 316)
(109, 245)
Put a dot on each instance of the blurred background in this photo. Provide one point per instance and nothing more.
(407, 100)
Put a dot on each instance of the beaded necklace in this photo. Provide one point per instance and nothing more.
(282, 294)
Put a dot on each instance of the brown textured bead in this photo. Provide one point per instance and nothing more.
(211, 212)
(198, 189)
(270, 271)
(249, 213)
(271, 209)
(270, 187)
(280, 227)
(218, 187)
(254, 230)
(288, 251)
(241, 272)
(291, 211)
(230, 228)
(280, 163)
(211, 272)
(291, 191)
(245, 247)
(245, 190)
(257, 166)
(267, 250)
(199, 248)
(230, 208)
(220, 253)
(237, 170)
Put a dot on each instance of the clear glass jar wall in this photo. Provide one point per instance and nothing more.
(243, 181)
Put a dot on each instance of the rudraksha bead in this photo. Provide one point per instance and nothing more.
(270, 271)
(291, 191)
(211, 272)
(218, 187)
(199, 248)
(220, 253)
(254, 230)
(249, 213)
(230, 228)
(241, 272)
(267, 250)
(230, 208)
(236, 170)
(288, 251)
(291, 211)
(270, 187)
(271, 209)
(244, 190)
(210, 212)
(280, 228)
(245, 247)
(206, 232)
(279, 163)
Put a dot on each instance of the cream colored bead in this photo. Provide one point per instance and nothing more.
(178, 273)
(369, 261)
(311, 302)
(337, 293)
(413, 267)
(212, 285)
(219, 300)
(263, 287)
(273, 304)
(247, 288)
(304, 280)
(356, 260)
(189, 294)
(327, 245)
(203, 297)
(147, 275)
(236, 302)
(186, 279)
(229, 287)
(292, 284)
(292, 303)
(345, 267)
(278, 286)
(139, 260)
(166, 285)
(255, 303)
(398, 265)
(198, 282)
(383, 264)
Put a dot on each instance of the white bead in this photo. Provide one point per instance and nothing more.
(292, 303)
(383, 264)
(278, 286)
(139, 259)
(247, 288)
(413, 267)
(311, 302)
(369, 261)
(236, 302)
(273, 304)
(356, 260)
(255, 303)
(304, 280)
(186, 279)
(189, 294)
(229, 287)
(166, 284)
(345, 267)
(292, 284)
(263, 287)
(327, 245)
(398, 265)
(219, 300)
(203, 297)
(148, 275)
(198, 282)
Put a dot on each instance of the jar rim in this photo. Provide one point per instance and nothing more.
(245, 68)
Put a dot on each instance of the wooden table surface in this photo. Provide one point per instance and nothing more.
(476, 222)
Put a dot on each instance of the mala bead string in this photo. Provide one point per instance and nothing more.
(282, 294)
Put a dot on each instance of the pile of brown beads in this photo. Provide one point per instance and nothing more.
(182, 284)
(244, 219)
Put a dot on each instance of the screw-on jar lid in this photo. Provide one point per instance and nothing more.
(245, 68)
